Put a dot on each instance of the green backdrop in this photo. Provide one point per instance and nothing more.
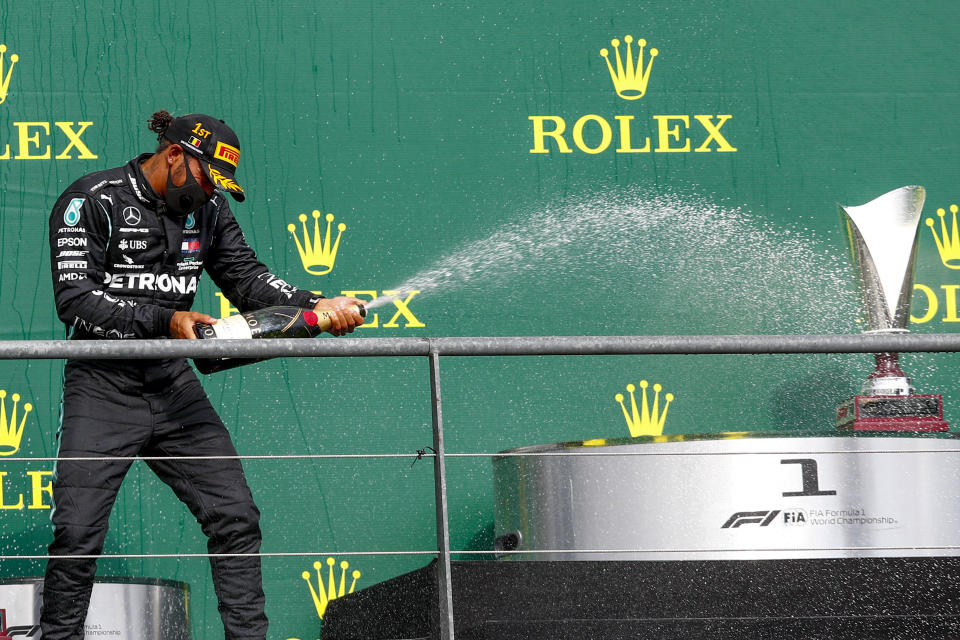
(489, 165)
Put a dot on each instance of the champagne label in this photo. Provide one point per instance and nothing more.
(232, 327)
(323, 320)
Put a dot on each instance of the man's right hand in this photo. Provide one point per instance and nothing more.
(344, 315)
(181, 324)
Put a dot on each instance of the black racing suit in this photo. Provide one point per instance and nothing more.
(122, 265)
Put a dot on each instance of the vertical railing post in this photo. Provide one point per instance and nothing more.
(444, 585)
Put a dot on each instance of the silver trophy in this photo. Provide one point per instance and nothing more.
(883, 237)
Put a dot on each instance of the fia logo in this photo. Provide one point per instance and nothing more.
(795, 518)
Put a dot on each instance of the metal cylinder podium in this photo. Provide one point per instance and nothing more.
(735, 496)
(120, 609)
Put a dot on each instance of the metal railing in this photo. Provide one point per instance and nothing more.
(484, 346)
(434, 348)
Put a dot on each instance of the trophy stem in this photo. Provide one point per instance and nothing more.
(888, 366)
(887, 379)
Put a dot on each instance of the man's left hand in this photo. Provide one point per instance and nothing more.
(181, 324)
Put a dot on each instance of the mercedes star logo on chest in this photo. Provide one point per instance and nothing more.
(131, 215)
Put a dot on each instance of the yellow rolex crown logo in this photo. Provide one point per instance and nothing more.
(323, 596)
(10, 432)
(948, 242)
(6, 74)
(318, 254)
(645, 420)
(630, 78)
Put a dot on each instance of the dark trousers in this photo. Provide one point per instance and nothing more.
(118, 409)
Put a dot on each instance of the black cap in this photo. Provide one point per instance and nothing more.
(214, 144)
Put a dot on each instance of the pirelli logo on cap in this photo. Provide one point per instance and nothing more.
(227, 153)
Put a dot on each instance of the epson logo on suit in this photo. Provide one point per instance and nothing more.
(71, 242)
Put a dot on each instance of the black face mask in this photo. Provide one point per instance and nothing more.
(186, 198)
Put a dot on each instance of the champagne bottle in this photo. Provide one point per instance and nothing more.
(272, 322)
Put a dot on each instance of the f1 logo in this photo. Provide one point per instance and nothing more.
(762, 518)
(8, 633)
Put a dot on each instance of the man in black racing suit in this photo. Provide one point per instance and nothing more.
(127, 249)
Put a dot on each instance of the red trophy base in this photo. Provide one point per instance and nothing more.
(892, 413)
(892, 405)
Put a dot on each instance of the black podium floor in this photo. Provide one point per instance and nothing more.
(856, 598)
